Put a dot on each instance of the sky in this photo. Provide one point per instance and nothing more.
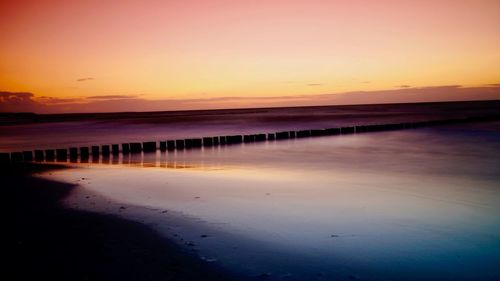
(73, 56)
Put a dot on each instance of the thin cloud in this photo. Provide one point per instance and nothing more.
(18, 102)
(14, 96)
(404, 86)
(111, 97)
(84, 79)
(51, 100)
(315, 84)
(27, 102)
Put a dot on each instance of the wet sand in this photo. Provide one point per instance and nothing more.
(56, 243)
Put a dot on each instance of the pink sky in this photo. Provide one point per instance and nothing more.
(243, 50)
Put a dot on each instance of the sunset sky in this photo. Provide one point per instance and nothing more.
(56, 55)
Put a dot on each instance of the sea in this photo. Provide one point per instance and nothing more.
(413, 204)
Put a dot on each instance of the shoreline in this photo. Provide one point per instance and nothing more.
(341, 226)
(62, 243)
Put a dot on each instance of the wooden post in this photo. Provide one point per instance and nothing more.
(197, 143)
(318, 132)
(207, 141)
(95, 151)
(73, 153)
(50, 155)
(170, 145)
(360, 129)
(234, 139)
(260, 137)
(84, 154)
(135, 147)
(271, 136)
(216, 141)
(248, 138)
(27, 156)
(105, 150)
(163, 146)
(179, 144)
(281, 135)
(347, 130)
(188, 143)
(125, 148)
(222, 140)
(149, 146)
(115, 149)
(332, 131)
(62, 154)
(39, 155)
(303, 134)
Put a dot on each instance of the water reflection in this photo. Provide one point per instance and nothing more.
(407, 205)
(181, 159)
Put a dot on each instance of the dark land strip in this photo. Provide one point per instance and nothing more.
(55, 243)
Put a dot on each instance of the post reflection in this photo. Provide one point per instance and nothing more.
(187, 159)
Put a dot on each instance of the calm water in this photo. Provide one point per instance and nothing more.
(63, 131)
(405, 205)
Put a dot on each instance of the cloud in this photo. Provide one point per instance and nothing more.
(404, 86)
(52, 100)
(14, 96)
(18, 102)
(84, 79)
(27, 102)
(110, 97)
(314, 84)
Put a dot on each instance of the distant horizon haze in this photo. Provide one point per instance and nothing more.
(24, 102)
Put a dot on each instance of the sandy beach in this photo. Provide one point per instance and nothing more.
(56, 243)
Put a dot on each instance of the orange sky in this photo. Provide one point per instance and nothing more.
(210, 49)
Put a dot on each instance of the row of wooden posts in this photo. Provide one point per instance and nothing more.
(180, 144)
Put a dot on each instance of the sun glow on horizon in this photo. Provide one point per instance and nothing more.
(210, 49)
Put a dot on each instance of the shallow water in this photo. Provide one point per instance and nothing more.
(404, 205)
